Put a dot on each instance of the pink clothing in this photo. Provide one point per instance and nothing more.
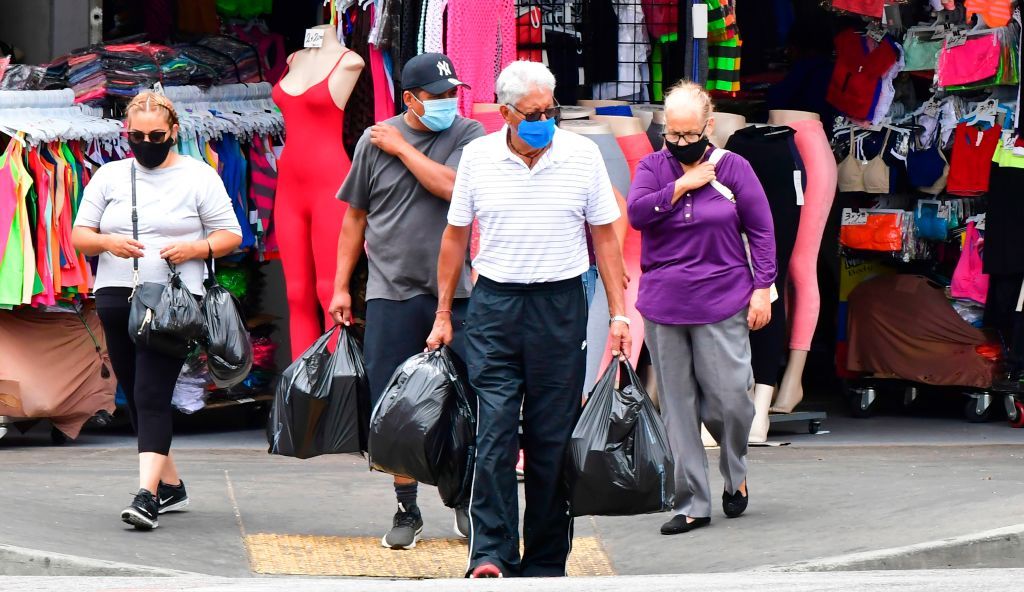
(968, 279)
(822, 177)
(491, 120)
(480, 28)
(383, 99)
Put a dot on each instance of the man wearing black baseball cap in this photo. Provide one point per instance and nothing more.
(403, 173)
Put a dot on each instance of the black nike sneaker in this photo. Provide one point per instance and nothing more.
(142, 514)
(171, 498)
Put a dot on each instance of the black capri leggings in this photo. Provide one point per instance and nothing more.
(146, 376)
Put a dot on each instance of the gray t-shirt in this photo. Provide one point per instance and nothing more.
(405, 221)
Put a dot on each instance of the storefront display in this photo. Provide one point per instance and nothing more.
(894, 155)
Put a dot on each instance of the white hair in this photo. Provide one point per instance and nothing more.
(519, 78)
(686, 95)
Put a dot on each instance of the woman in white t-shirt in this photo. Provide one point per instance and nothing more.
(184, 215)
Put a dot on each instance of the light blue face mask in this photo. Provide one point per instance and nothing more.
(537, 134)
(438, 114)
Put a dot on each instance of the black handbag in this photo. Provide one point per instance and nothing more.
(163, 317)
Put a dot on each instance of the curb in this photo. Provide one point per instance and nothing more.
(19, 561)
(998, 548)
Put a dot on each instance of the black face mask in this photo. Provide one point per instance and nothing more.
(150, 154)
(690, 153)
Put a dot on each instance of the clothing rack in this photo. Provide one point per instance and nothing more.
(35, 116)
(227, 92)
(244, 109)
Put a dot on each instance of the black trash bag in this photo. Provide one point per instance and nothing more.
(322, 402)
(424, 426)
(226, 338)
(165, 317)
(619, 462)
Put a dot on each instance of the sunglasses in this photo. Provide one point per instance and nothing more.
(552, 113)
(155, 136)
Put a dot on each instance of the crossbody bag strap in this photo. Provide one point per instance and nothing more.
(716, 156)
(135, 236)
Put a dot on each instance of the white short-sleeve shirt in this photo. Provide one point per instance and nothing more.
(183, 202)
(531, 221)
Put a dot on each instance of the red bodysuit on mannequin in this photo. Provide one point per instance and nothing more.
(308, 216)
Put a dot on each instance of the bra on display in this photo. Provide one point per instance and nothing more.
(927, 168)
(859, 174)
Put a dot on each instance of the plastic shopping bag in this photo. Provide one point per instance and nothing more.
(322, 401)
(226, 339)
(619, 462)
(424, 425)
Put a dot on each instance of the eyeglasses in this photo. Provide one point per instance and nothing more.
(552, 113)
(155, 136)
(689, 137)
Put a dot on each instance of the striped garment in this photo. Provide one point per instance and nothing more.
(723, 47)
(996, 13)
(261, 191)
(531, 220)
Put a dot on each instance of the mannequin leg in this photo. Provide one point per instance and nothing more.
(791, 391)
(326, 228)
(803, 267)
(706, 438)
(762, 397)
(597, 334)
(293, 237)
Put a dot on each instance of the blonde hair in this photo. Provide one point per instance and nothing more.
(689, 95)
(150, 101)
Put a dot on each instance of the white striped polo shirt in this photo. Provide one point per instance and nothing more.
(531, 220)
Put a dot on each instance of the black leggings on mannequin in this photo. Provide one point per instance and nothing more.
(772, 153)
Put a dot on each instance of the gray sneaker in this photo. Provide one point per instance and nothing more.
(407, 526)
(462, 522)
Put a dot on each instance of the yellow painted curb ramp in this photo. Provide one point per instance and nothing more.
(308, 555)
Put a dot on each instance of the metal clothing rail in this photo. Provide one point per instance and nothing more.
(36, 99)
(228, 92)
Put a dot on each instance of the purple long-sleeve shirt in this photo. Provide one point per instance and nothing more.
(695, 266)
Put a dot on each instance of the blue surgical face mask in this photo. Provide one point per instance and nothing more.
(438, 114)
(537, 134)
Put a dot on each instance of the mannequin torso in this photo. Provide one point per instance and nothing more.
(620, 126)
(786, 116)
(601, 103)
(586, 128)
(574, 112)
(726, 125)
(311, 66)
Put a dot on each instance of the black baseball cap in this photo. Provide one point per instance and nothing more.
(433, 72)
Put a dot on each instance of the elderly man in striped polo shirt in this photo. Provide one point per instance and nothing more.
(531, 187)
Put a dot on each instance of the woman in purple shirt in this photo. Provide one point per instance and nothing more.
(692, 204)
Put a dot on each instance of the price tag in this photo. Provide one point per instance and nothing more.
(851, 218)
(314, 38)
(700, 21)
(798, 186)
(956, 40)
(944, 210)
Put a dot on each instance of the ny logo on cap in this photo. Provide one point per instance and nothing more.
(443, 68)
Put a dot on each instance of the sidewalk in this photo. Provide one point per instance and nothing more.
(915, 581)
(808, 502)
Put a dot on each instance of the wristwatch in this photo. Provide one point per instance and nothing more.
(619, 318)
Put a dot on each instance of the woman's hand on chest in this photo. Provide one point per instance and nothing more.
(694, 179)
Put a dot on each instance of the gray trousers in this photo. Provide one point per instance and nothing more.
(703, 374)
